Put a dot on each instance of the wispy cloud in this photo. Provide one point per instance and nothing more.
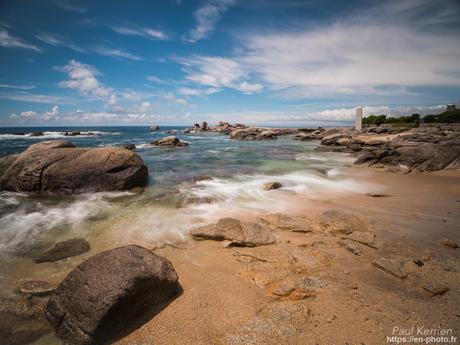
(56, 41)
(117, 53)
(9, 41)
(83, 78)
(218, 72)
(35, 98)
(207, 17)
(68, 6)
(17, 87)
(141, 32)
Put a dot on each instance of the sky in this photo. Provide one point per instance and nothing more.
(261, 62)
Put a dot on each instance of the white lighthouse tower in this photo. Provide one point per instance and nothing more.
(359, 119)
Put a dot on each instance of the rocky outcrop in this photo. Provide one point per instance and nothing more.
(59, 167)
(110, 294)
(65, 249)
(170, 141)
(257, 133)
(236, 232)
(396, 149)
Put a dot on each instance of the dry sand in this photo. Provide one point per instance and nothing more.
(232, 295)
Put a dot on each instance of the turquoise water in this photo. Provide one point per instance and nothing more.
(238, 170)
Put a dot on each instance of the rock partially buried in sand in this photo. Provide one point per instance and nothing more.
(435, 289)
(296, 287)
(448, 243)
(65, 249)
(110, 294)
(170, 141)
(288, 223)
(339, 222)
(36, 288)
(21, 321)
(236, 232)
(59, 167)
(272, 185)
(393, 265)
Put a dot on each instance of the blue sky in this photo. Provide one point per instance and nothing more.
(291, 62)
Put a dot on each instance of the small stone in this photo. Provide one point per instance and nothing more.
(392, 265)
(435, 289)
(377, 195)
(272, 185)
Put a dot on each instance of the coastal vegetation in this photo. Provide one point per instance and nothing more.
(452, 116)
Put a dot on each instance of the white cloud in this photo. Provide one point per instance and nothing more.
(145, 107)
(386, 45)
(117, 53)
(187, 91)
(82, 77)
(29, 114)
(141, 32)
(170, 97)
(218, 72)
(112, 100)
(207, 17)
(9, 41)
(58, 41)
(53, 114)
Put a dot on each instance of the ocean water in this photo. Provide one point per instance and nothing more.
(238, 170)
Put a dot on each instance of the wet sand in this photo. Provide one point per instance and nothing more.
(228, 292)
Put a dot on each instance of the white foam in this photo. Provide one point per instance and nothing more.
(56, 135)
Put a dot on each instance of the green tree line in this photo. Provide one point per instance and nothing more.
(414, 119)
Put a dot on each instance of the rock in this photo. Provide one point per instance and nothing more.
(272, 185)
(364, 237)
(239, 233)
(21, 321)
(204, 126)
(199, 200)
(130, 147)
(351, 246)
(36, 288)
(284, 222)
(448, 243)
(394, 265)
(65, 249)
(435, 288)
(36, 134)
(170, 141)
(59, 167)
(339, 222)
(268, 134)
(309, 261)
(333, 138)
(72, 134)
(296, 287)
(377, 195)
(110, 294)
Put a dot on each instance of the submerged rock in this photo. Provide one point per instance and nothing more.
(21, 321)
(171, 141)
(110, 294)
(236, 232)
(272, 185)
(65, 249)
(59, 167)
(36, 288)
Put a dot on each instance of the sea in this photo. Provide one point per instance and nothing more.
(230, 174)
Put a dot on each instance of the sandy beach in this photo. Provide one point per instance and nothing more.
(228, 292)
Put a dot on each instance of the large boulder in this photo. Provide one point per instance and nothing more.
(59, 167)
(236, 232)
(111, 294)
